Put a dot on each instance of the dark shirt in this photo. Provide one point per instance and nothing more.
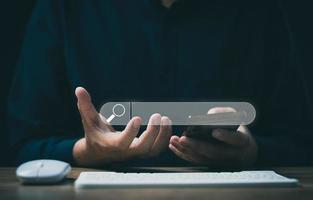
(140, 51)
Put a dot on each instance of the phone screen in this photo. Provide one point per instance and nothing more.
(218, 121)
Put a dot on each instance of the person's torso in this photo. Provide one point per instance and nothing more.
(130, 51)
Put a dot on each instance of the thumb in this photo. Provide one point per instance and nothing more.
(87, 111)
(237, 138)
(221, 110)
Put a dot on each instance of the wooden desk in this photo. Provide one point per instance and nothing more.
(11, 189)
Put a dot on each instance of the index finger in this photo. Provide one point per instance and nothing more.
(86, 109)
(130, 132)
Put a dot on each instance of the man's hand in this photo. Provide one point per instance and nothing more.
(102, 144)
(237, 149)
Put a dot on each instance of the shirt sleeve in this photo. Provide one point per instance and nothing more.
(43, 121)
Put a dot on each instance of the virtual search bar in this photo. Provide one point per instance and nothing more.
(180, 113)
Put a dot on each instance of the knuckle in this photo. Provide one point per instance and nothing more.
(184, 141)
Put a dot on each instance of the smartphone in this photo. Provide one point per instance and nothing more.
(204, 124)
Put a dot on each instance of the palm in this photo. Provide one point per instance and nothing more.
(103, 144)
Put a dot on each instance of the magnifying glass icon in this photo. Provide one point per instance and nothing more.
(118, 110)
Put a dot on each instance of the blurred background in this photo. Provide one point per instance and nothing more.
(14, 15)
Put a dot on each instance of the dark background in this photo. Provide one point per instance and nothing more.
(14, 15)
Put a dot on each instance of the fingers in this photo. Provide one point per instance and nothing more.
(163, 137)
(148, 137)
(179, 150)
(237, 138)
(130, 132)
(104, 124)
(183, 152)
(206, 149)
(87, 111)
(221, 110)
(155, 138)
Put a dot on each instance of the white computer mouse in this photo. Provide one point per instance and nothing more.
(42, 171)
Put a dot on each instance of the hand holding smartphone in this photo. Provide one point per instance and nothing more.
(228, 120)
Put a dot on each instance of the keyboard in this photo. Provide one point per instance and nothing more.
(207, 179)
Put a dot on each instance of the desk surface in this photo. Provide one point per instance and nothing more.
(10, 188)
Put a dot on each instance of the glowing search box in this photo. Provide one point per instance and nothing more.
(180, 113)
